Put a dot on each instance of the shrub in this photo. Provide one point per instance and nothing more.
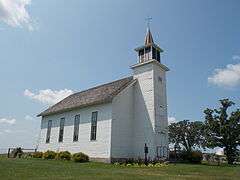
(192, 157)
(17, 152)
(140, 161)
(157, 165)
(195, 157)
(80, 157)
(135, 165)
(64, 155)
(238, 159)
(123, 164)
(49, 155)
(150, 165)
(129, 161)
(172, 155)
(183, 156)
(116, 164)
(26, 155)
(37, 155)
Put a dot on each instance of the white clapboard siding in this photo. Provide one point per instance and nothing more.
(95, 149)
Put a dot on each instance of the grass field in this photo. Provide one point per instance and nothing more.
(22, 169)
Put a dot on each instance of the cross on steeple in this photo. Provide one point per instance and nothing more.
(148, 37)
(148, 19)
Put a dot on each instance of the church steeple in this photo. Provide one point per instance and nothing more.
(148, 37)
(150, 51)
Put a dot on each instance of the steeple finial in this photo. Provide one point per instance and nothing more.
(148, 37)
(148, 19)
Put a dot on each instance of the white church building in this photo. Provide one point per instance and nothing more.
(114, 121)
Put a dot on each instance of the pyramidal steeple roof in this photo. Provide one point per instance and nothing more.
(148, 42)
(148, 37)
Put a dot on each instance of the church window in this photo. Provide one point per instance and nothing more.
(141, 55)
(141, 52)
(49, 131)
(61, 130)
(147, 50)
(153, 53)
(76, 127)
(147, 53)
(158, 56)
(94, 126)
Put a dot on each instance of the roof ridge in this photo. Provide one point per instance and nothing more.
(98, 86)
(113, 86)
(123, 87)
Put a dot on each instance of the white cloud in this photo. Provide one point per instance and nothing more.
(8, 131)
(7, 121)
(48, 96)
(227, 77)
(171, 120)
(236, 57)
(28, 118)
(15, 14)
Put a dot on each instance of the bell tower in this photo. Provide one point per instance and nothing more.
(150, 101)
(150, 51)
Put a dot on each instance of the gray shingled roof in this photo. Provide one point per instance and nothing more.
(97, 95)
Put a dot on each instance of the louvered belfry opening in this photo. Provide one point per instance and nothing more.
(149, 50)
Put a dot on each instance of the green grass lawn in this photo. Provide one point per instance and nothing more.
(22, 169)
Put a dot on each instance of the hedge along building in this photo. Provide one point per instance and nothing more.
(115, 120)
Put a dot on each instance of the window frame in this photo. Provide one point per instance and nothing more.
(49, 128)
(154, 53)
(61, 130)
(76, 127)
(158, 57)
(94, 118)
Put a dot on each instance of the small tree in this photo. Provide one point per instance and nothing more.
(17, 152)
(223, 130)
(188, 134)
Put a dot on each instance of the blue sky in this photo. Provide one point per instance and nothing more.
(54, 48)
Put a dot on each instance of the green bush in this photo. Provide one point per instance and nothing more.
(191, 157)
(80, 157)
(172, 155)
(158, 165)
(195, 157)
(183, 156)
(135, 165)
(64, 155)
(49, 155)
(37, 155)
(17, 152)
(150, 165)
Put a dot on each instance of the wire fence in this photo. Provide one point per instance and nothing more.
(14, 152)
(9, 152)
(3, 151)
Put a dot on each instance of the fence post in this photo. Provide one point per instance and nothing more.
(8, 153)
(146, 153)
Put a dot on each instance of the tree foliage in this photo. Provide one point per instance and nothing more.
(223, 130)
(186, 133)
